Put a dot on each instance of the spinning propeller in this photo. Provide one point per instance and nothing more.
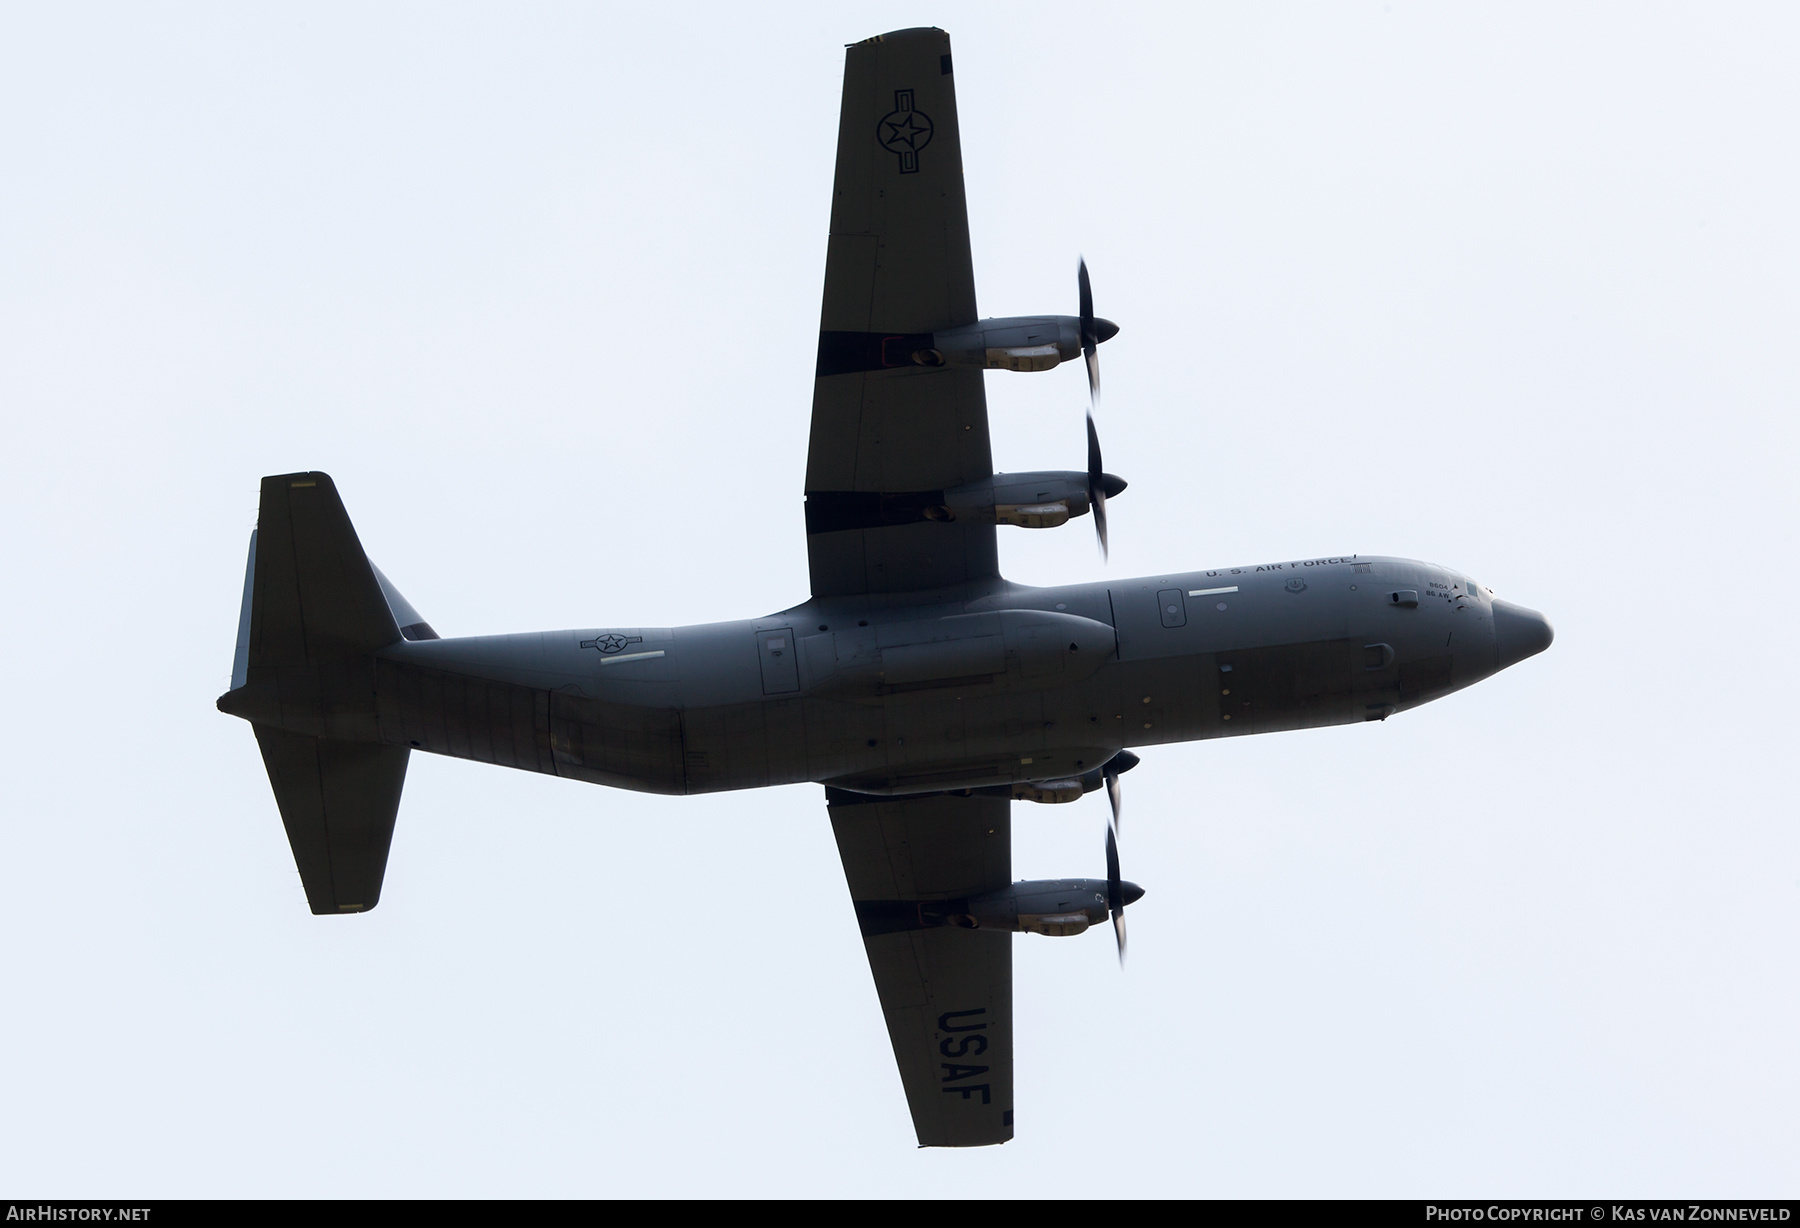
(1093, 331)
(1096, 482)
(1118, 892)
(1115, 891)
(1091, 334)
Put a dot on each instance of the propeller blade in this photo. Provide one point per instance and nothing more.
(1115, 892)
(1113, 796)
(1087, 299)
(1090, 334)
(1096, 482)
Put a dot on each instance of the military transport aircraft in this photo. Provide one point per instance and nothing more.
(926, 692)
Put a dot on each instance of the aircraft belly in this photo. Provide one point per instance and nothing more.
(1169, 699)
(630, 746)
(776, 742)
(905, 745)
(724, 748)
(463, 717)
(1286, 686)
(979, 740)
(622, 745)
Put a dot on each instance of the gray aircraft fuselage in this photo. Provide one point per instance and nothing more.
(991, 685)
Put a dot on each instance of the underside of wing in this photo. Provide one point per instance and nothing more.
(890, 432)
(946, 990)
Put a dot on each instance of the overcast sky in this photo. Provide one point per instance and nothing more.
(1510, 288)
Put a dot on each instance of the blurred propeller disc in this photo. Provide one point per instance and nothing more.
(1115, 892)
(1096, 483)
(1090, 333)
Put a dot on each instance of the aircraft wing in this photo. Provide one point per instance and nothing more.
(889, 436)
(946, 991)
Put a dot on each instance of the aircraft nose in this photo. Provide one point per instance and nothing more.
(1131, 892)
(1519, 633)
(1105, 330)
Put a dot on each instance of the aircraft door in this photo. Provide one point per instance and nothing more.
(780, 661)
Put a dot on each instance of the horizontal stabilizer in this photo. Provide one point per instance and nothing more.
(338, 801)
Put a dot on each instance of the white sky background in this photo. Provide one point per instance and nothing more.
(1507, 288)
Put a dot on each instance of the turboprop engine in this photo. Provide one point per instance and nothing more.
(1029, 500)
(1041, 500)
(1007, 343)
(1012, 343)
(1064, 789)
(1058, 908)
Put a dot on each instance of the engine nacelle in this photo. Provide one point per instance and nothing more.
(1030, 500)
(1057, 908)
(1050, 792)
(1013, 343)
(1008, 343)
(1041, 500)
(1072, 788)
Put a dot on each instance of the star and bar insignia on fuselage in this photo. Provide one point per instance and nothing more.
(612, 642)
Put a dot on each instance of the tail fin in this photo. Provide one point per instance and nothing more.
(315, 609)
(316, 596)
